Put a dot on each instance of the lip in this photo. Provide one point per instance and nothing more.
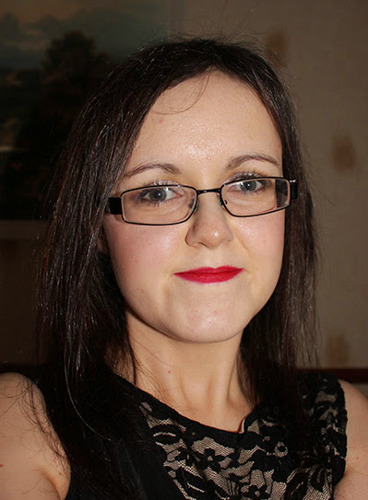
(210, 274)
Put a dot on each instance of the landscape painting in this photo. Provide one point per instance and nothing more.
(52, 56)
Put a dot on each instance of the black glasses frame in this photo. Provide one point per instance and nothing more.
(114, 205)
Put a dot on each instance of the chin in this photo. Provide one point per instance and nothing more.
(211, 333)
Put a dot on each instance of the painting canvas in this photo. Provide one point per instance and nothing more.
(52, 55)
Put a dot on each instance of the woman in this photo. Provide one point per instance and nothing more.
(177, 285)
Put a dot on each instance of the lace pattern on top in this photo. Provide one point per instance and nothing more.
(260, 462)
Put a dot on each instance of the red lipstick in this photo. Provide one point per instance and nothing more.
(210, 274)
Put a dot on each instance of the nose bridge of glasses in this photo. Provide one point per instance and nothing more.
(205, 191)
(214, 190)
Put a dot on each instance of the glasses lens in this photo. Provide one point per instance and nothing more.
(256, 196)
(158, 205)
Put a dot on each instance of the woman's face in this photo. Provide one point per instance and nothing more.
(202, 133)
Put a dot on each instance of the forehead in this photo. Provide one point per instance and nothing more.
(211, 117)
(209, 89)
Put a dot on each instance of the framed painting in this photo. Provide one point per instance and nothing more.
(52, 55)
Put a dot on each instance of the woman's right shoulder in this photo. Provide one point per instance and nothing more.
(33, 464)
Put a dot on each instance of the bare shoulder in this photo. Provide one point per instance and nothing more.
(32, 463)
(355, 481)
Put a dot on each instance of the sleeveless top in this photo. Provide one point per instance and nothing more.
(197, 462)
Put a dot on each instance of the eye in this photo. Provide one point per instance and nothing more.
(158, 194)
(250, 186)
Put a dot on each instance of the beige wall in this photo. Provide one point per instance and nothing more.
(323, 53)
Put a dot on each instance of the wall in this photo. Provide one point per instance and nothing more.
(322, 50)
(19, 245)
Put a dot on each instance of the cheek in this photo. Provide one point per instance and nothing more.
(274, 235)
(264, 233)
(263, 238)
(138, 251)
(274, 245)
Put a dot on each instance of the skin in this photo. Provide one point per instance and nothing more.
(188, 334)
(185, 335)
(32, 463)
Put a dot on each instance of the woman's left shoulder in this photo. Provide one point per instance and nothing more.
(355, 481)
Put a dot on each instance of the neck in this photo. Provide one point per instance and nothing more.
(200, 381)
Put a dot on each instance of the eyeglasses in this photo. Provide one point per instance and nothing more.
(168, 204)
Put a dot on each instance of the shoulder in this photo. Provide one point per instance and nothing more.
(355, 481)
(324, 405)
(319, 385)
(324, 401)
(33, 464)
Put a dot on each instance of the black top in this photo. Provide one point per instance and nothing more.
(196, 462)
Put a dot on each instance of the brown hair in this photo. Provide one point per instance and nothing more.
(81, 310)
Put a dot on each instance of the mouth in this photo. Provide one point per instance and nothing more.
(210, 274)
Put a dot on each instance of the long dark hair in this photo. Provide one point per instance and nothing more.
(81, 310)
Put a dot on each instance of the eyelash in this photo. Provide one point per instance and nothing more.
(235, 177)
(246, 175)
(160, 183)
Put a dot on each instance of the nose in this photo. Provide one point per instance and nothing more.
(209, 224)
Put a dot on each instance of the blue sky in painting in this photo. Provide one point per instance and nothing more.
(118, 27)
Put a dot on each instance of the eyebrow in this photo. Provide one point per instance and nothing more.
(167, 167)
(233, 163)
(261, 157)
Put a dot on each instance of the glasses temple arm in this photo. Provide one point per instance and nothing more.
(114, 205)
(293, 189)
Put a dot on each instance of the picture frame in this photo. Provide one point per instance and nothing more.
(51, 58)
